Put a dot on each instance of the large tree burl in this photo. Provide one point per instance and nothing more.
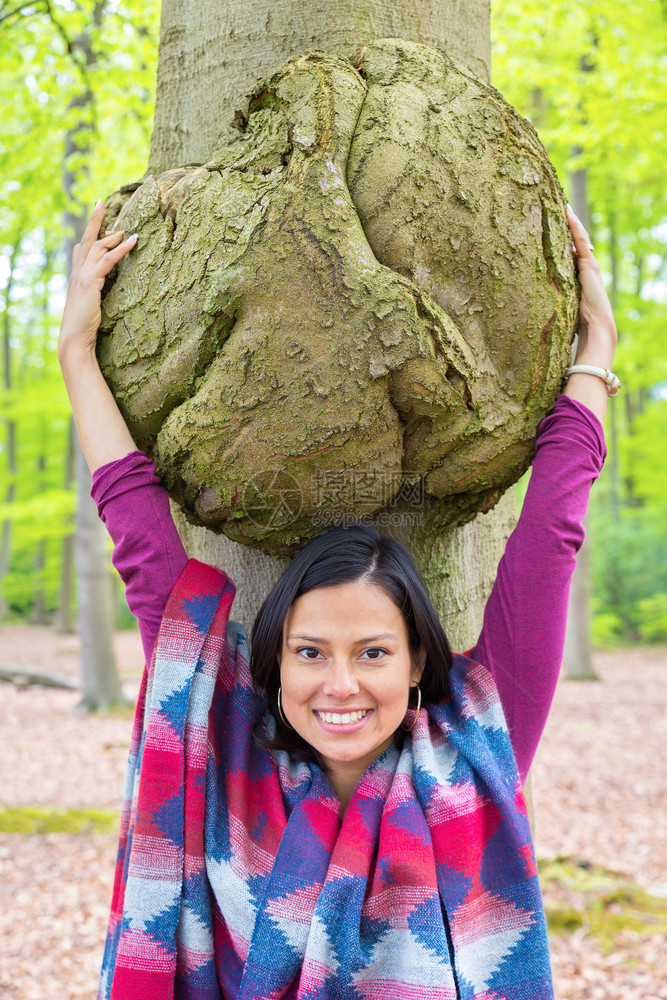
(375, 275)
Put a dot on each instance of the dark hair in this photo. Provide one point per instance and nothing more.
(344, 555)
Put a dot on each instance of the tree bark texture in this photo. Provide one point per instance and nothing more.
(308, 265)
(372, 275)
(211, 53)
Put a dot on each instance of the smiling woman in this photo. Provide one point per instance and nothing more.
(292, 827)
(347, 701)
(342, 595)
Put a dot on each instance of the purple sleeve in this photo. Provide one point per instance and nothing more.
(523, 634)
(148, 553)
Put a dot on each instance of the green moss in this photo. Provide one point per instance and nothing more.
(605, 904)
(124, 711)
(37, 820)
(564, 920)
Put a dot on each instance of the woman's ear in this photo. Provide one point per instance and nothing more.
(418, 663)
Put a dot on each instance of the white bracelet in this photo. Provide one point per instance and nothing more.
(612, 381)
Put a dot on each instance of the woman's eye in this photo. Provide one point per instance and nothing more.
(309, 649)
(373, 653)
(312, 653)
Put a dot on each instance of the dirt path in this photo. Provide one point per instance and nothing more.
(599, 791)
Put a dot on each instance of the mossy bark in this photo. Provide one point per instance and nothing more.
(368, 288)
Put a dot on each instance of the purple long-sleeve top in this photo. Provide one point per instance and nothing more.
(522, 637)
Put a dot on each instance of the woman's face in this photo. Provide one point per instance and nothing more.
(346, 670)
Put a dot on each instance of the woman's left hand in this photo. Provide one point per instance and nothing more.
(597, 329)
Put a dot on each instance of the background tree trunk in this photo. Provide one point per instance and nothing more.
(210, 55)
(100, 682)
(10, 441)
(99, 677)
(63, 621)
(40, 613)
(577, 655)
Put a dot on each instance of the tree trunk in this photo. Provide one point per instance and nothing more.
(5, 543)
(40, 613)
(100, 682)
(22, 677)
(99, 677)
(210, 55)
(213, 51)
(577, 656)
(613, 418)
(63, 622)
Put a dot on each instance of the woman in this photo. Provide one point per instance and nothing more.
(292, 827)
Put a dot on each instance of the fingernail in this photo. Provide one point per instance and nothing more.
(569, 206)
(97, 204)
(134, 236)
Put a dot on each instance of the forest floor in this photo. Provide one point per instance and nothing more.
(599, 789)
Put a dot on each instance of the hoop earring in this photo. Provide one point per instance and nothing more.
(407, 729)
(280, 712)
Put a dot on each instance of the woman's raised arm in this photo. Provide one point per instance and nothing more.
(148, 553)
(102, 430)
(524, 621)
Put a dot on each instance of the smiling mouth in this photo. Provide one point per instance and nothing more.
(342, 718)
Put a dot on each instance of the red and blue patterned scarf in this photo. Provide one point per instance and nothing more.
(237, 879)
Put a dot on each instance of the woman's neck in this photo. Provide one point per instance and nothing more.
(345, 775)
(344, 780)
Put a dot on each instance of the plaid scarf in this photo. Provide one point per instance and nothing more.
(237, 879)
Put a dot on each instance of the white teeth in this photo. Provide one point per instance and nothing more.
(342, 720)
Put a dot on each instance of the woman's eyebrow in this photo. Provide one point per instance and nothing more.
(323, 642)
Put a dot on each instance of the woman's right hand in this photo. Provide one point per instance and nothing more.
(92, 259)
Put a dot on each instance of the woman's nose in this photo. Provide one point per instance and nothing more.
(341, 680)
